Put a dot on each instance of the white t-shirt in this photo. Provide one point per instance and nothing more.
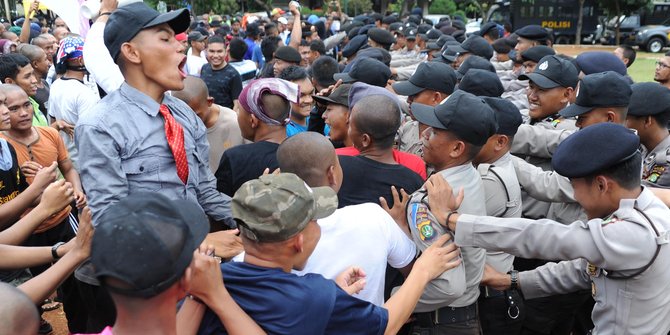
(69, 98)
(194, 65)
(365, 236)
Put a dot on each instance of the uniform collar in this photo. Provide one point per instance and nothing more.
(642, 201)
(141, 100)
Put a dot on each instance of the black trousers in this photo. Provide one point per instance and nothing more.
(496, 316)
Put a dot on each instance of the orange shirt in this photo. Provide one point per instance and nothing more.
(48, 148)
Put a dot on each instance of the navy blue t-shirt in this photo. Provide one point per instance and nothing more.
(284, 303)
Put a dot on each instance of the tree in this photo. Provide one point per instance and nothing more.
(442, 7)
(580, 23)
(616, 8)
(356, 7)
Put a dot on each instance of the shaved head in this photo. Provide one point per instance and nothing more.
(195, 91)
(309, 155)
(379, 117)
(18, 314)
(10, 88)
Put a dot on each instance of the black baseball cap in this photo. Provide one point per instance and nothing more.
(146, 241)
(434, 76)
(649, 99)
(536, 53)
(605, 89)
(288, 54)
(339, 96)
(474, 62)
(367, 70)
(507, 115)
(467, 116)
(476, 45)
(196, 36)
(553, 71)
(127, 21)
(354, 45)
(481, 83)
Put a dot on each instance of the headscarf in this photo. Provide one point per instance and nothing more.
(71, 47)
(251, 97)
(6, 46)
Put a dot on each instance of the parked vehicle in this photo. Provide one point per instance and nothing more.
(558, 15)
(648, 29)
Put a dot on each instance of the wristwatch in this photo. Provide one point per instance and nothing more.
(54, 250)
(514, 275)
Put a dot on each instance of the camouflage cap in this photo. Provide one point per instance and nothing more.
(274, 208)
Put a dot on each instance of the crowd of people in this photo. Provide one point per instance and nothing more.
(216, 174)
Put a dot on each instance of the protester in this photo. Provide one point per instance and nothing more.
(222, 79)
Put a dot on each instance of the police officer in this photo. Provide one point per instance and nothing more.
(429, 85)
(621, 253)
(530, 59)
(501, 311)
(456, 130)
(649, 113)
(527, 37)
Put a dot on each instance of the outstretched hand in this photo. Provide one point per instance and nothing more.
(399, 210)
(351, 280)
(441, 197)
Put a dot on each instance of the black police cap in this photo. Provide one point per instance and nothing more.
(488, 26)
(649, 99)
(288, 54)
(606, 89)
(354, 45)
(533, 32)
(594, 149)
(434, 76)
(463, 114)
(476, 45)
(474, 62)
(534, 54)
(553, 71)
(381, 36)
(507, 115)
(481, 83)
(367, 70)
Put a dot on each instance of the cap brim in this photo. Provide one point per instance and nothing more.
(179, 20)
(426, 114)
(449, 58)
(325, 201)
(406, 88)
(326, 100)
(574, 110)
(539, 80)
(346, 78)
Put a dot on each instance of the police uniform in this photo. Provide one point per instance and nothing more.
(409, 138)
(448, 305)
(501, 311)
(622, 258)
(649, 99)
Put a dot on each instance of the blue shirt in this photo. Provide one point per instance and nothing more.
(123, 150)
(293, 128)
(258, 57)
(285, 303)
(251, 44)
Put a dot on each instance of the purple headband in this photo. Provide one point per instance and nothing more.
(251, 95)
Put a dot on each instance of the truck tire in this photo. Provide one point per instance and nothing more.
(655, 44)
(563, 40)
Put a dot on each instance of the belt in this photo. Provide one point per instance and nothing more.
(446, 315)
(488, 292)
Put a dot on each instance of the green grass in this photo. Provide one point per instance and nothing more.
(643, 69)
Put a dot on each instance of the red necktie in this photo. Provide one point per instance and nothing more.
(174, 134)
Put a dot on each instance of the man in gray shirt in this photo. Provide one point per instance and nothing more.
(457, 129)
(138, 138)
(122, 140)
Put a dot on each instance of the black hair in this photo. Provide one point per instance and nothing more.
(323, 69)
(629, 53)
(304, 43)
(663, 119)
(237, 48)
(493, 34)
(269, 45)
(627, 174)
(11, 64)
(216, 39)
(318, 46)
(379, 117)
(293, 73)
(270, 26)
